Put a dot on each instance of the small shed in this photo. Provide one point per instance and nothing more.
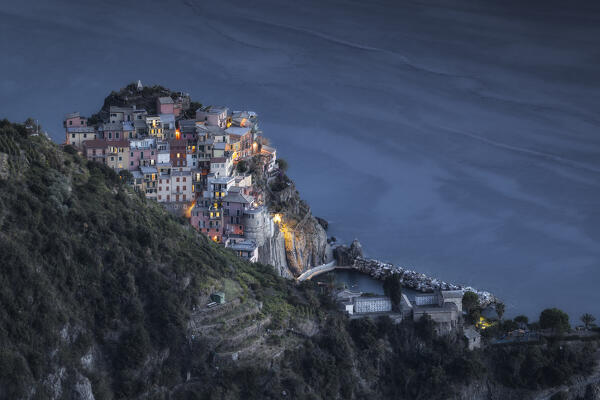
(218, 297)
(473, 338)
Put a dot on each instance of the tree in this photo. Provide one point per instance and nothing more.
(282, 164)
(521, 319)
(500, 310)
(242, 166)
(125, 176)
(555, 319)
(470, 300)
(392, 287)
(588, 320)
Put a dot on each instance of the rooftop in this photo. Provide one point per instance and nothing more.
(165, 100)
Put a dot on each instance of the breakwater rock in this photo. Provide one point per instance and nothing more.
(411, 279)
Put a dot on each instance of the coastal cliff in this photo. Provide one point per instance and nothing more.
(299, 241)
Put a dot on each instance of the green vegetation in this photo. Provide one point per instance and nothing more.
(392, 287)
(555, 319)
(99, 285)
(470, 300)
(588, 320)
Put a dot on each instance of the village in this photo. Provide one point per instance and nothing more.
(197, 167)
(199, 163)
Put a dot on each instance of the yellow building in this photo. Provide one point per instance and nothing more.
(117, 155)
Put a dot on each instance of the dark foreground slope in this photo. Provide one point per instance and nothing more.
(102, 296)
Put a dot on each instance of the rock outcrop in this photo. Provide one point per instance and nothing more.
(299, 241)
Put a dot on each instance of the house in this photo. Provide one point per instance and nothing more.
(187, 127)
(168, 125)
(154, 126)
(129, 131)
(111, 130)
(150, 179)
(95, 150)
(472, 337)
(76, 135)
(218, 186)
(178, 149)
(74, 120)
(270, 154)
(221, 166)
(163, 194)
(213, 115)
(142, 153)
(234, 204)
(181, 185)
(245, 249)
(120, 114)
(117, 155)
(165, 105)
(443, 307)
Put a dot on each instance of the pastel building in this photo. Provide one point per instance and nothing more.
(111, 131)
(213, 115)
(244, 248)
(117, 155)
(75, 136)
(74, 120)
(221, 166)
(154, 126)
(95, 150)
(165, 105)
(234, 204)
(150, 186)
(142, 152)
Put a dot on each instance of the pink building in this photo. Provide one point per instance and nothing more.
(95, 150)
(165, 105)
(142, 153)
(207, 218)
(234, 204)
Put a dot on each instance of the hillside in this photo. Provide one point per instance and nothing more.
(103, 296)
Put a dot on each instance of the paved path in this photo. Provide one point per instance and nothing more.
(309, 273)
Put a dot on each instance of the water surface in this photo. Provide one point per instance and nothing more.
(458, 137)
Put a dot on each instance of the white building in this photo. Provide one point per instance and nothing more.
(221, 166)
(371, 304)
(213, 115)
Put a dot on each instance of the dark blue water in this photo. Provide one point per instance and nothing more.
(357, 281)
(457, 137)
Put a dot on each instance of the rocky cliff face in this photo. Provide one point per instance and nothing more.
(299, 241)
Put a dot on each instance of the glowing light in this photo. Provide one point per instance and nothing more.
(177, 134)
(277, 218)
(188, 211)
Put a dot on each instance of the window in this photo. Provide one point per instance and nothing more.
(159, 197)
(70, 122)
(110, 135)
(131, 163)
(117, 135)
(184, 178)
(73, 136)
(184, 197)
(85, 135)
(131, 155)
